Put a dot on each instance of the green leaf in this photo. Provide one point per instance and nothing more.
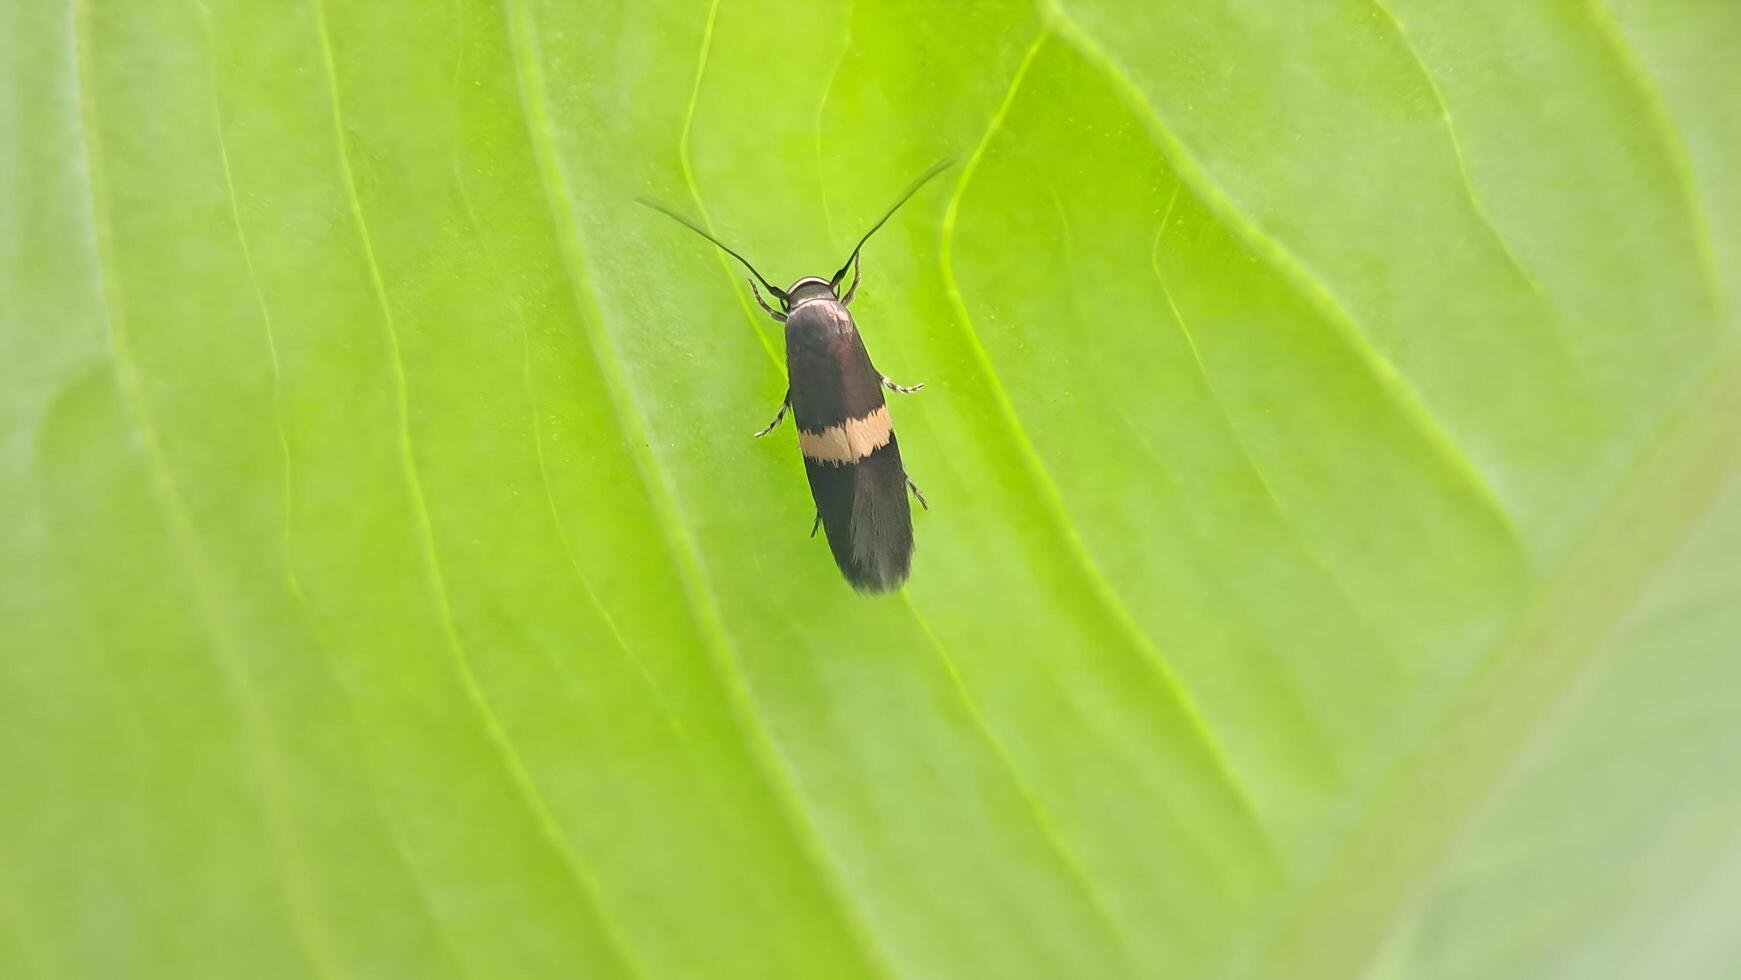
(1332, 424)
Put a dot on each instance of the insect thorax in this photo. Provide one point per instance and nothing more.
(809, 288)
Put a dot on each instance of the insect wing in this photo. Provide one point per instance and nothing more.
(850, 453)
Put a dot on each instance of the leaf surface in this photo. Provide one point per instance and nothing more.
(1330, 426)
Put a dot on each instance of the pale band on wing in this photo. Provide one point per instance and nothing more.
(849, 441)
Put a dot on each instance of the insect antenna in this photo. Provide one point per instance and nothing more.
(913, 188)
(692, 226)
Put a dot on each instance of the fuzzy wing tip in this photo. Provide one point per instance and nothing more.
(870, 585)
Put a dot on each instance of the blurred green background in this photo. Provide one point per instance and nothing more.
(1331, 429)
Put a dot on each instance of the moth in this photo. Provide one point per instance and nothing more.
(835, 395)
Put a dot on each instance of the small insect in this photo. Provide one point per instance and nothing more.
(835, 396)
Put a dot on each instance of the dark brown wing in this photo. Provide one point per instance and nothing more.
(866, 517)
(850, 452)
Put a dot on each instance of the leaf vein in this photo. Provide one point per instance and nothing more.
(564, 541)
(1466, 183)
(822, 114)
(1408, 402)
(1287, 518)
(1435, 793)
(525, 787)
(1105, 594)
(305, 924)
(1673, 147)
(1043, 822)
(685, 158)
(779, 780)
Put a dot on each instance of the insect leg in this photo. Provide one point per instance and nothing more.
(776, 314)
(847, 299)
(903, 389)
(917, 493)
(785, 403)
(816, 525)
